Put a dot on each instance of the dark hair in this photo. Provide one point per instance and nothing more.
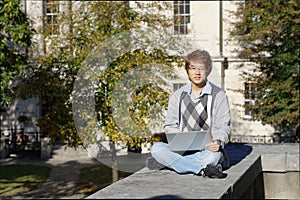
(200, 56)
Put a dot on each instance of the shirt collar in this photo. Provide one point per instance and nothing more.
(206, 90)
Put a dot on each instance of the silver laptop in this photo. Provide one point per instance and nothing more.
(188, 141)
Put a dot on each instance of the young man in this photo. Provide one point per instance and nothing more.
(198, 105)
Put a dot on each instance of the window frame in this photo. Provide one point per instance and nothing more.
(182, 17)
(51, 12)
(249, 97)
(177, 85)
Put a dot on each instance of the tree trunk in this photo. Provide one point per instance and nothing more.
(115, 167)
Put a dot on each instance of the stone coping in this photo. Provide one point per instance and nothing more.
(247, 162)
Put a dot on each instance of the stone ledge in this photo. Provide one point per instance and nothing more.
(279, 157)
(165, 184)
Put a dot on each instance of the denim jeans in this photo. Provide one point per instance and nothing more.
(184, 164)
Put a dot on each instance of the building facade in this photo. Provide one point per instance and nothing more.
(206, 24)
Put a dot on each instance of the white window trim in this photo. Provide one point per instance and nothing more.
(185, 25)
(247, 113)
(52, 25)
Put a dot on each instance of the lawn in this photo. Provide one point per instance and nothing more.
(16, 179)
(94, 178)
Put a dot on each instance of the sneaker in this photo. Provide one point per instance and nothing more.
(213, 171)
(152, 164)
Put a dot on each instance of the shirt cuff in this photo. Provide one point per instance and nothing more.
(221, 143)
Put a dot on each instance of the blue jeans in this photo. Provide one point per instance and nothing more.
(184, 164)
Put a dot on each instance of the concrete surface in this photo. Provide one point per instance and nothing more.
(247, 164)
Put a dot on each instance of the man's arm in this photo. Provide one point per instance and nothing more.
(221, 119)
(172, 118)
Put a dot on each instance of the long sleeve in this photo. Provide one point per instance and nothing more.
(221, 118)
(172, 118)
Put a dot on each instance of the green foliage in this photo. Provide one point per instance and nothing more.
(53, 91)
(15, 41)
(269, 35)
(84, 27)
(131, 121)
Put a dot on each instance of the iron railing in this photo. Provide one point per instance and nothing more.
(255, 139)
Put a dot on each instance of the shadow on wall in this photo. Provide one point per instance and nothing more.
(237, 152)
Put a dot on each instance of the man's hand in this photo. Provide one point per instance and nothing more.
(213, 146)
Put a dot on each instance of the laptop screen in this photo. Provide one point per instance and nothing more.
(188, 141)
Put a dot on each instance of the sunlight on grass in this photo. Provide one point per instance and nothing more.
(94, 178)
(16, 179)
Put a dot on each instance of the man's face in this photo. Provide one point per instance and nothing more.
(197, 73)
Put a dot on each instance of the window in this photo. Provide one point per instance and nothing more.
(51, 12)
(249, 93)
(176, 86)
(181, 17)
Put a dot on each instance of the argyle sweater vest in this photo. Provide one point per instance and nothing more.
(194, 114)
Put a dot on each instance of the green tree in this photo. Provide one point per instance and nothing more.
(72, 60)
(15, 41)
(268, 33)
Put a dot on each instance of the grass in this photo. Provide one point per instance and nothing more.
(94, 178)
(16, 179)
